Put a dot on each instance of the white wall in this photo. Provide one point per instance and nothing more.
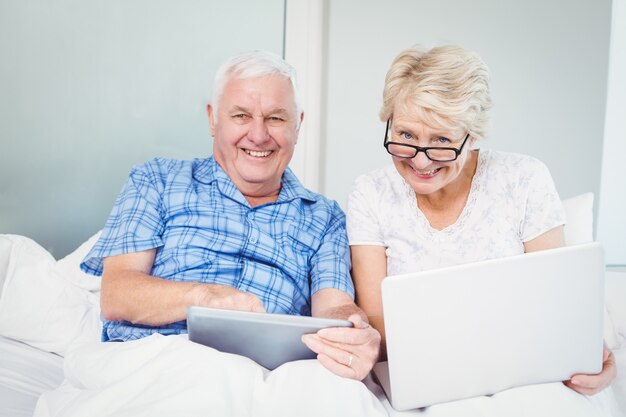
(549, 63)
(304, 49)
(611, 218)
(90, 88)
(549, 73)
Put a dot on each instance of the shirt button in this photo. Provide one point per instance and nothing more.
(253, 239)
(251, 215)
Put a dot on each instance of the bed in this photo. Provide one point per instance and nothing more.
(25, 372)
(49, 325)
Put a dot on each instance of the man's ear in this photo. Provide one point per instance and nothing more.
(209, 110)
(299, 125)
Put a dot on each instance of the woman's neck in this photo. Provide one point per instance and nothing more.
(444, 207)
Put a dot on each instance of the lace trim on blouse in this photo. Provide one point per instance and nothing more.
(459, 224)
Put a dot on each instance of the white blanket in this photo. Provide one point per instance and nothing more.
(170, 376)
(54, 306)
(542, 400)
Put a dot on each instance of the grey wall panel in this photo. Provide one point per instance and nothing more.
(90, 88)
(549, 73)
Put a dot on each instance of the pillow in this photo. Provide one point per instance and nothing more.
(579, 219)
(48, 304)
(12, 246)
(69, 266)
(6, 247)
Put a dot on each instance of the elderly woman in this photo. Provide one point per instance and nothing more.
(443, 202)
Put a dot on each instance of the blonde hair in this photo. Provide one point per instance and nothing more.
(446, 87)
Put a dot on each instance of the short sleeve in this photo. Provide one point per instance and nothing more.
(543, 209)
(330, 265)
(363, 221)
(135, 223)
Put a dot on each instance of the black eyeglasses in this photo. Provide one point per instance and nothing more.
(404, 150)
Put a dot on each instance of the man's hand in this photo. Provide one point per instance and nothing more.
(347, 352)
(226, 297)
(592, 384)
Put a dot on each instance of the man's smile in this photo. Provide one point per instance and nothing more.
(258, 154)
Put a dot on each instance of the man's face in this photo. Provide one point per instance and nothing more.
(255, 132)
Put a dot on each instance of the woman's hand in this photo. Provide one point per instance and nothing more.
(347, 352)
(593, 384)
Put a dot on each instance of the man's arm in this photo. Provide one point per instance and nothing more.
(347, 352)
(131, 294)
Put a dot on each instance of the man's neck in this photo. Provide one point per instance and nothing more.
(259, 194)
(255, 201)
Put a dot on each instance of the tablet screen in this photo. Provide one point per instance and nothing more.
(268, 339)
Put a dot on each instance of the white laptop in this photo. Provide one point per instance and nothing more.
(480, 328)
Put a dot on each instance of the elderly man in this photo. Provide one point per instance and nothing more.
(236, 230)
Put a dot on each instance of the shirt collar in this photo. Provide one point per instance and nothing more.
(208, 171)
(292, 188)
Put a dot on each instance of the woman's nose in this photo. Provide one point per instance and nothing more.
(421, 160)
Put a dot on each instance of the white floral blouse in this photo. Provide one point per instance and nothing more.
(512, 200)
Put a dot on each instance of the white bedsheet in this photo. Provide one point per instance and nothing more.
(25, 372)
(543, 400)
(171, 376)
(168, 375)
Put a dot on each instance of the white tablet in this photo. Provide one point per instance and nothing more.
(268, 339)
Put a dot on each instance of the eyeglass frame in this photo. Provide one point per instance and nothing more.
(419, 149)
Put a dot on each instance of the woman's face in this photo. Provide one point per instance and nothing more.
(425, 176)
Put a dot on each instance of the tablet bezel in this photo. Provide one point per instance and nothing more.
(269, 339)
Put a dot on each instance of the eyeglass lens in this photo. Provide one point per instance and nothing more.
(407, 151)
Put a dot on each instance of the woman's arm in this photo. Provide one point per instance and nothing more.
(553, 238)
(369, 268)
(584, 384)
(347, 352)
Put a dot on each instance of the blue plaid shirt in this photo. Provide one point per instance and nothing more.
(206, 231)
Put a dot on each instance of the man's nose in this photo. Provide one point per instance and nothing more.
(258, 132)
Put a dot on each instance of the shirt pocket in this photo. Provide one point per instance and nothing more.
(298, 248)
(303, 240)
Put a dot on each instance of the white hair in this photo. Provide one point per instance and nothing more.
(252, 65)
